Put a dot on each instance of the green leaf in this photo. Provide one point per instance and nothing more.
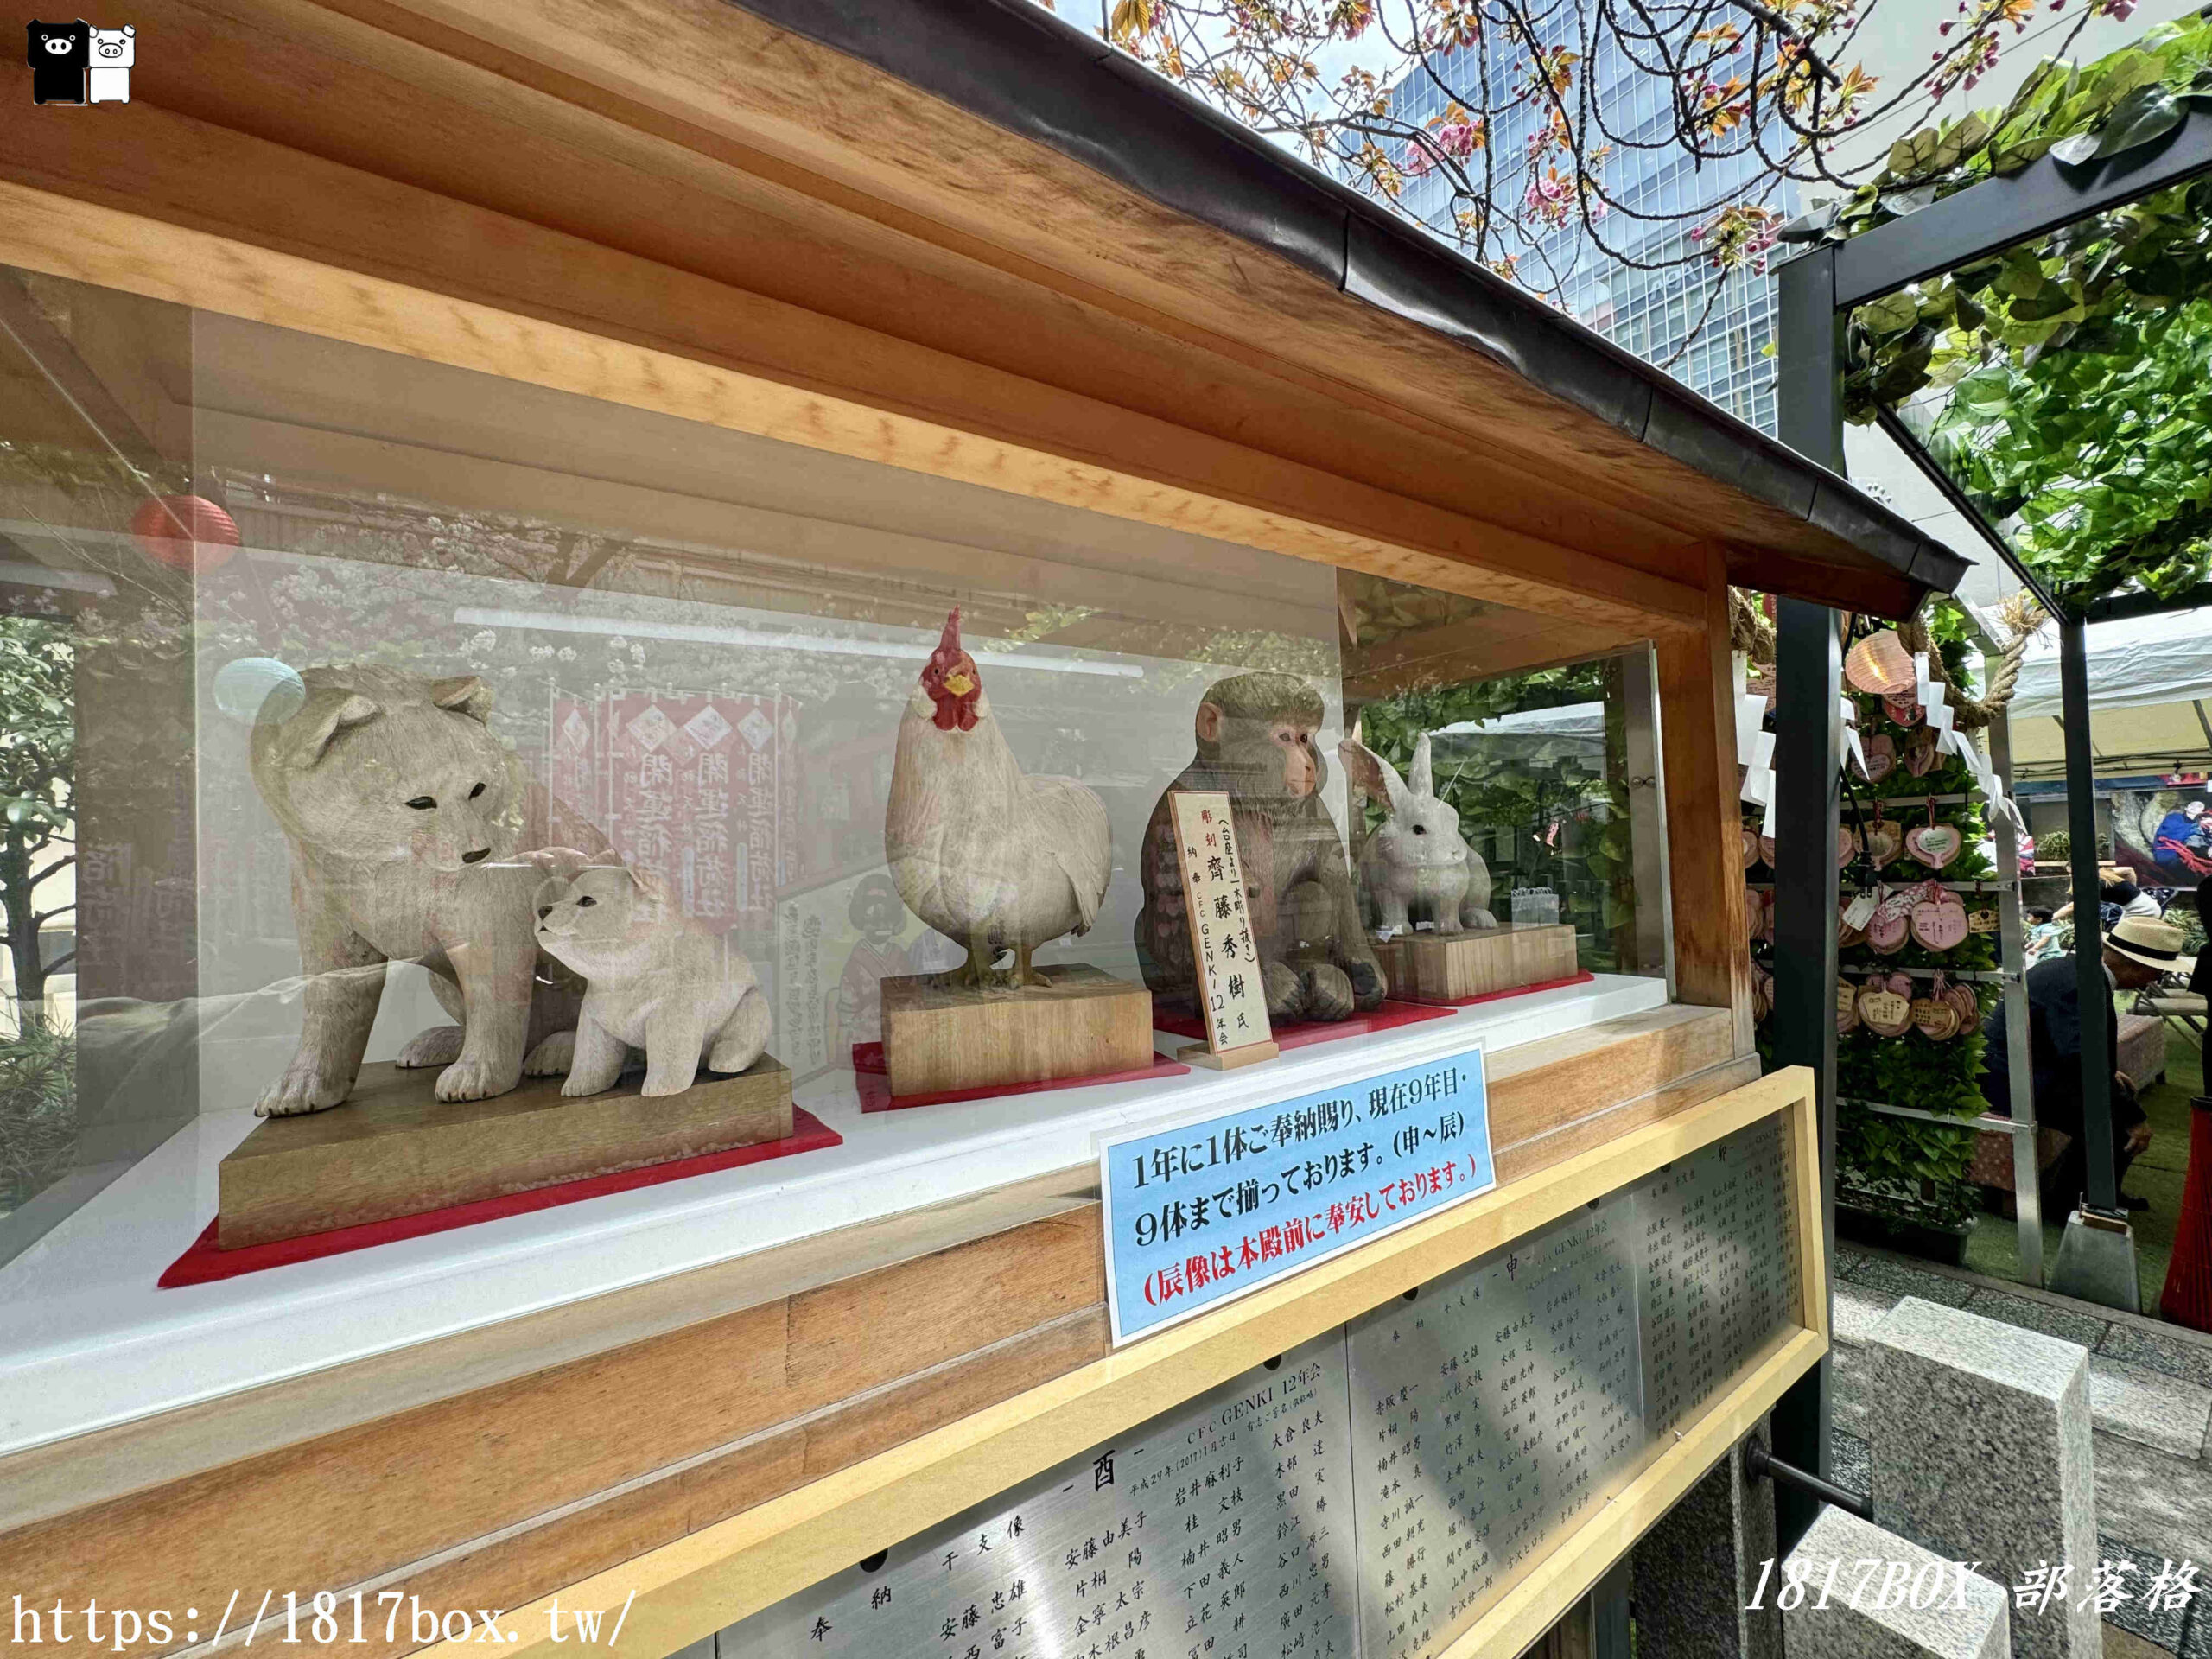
(1986, 391)
(1891, 313)
(2023, 274)
(2054, 302)
(2147, 112)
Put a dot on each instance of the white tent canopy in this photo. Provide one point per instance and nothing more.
(2150, 697)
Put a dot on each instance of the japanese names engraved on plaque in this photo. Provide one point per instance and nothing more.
(1370, 1494)
(1222, 1529)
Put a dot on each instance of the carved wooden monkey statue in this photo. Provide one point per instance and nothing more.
(1256, 742)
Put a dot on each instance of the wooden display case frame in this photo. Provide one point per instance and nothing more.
(696, 228)
(683, 1591)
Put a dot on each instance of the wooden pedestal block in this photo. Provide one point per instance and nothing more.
(939, 1037)
(395, 1149)
(1428, 968)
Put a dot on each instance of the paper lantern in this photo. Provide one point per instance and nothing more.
(252, 689)
(186, 532)
(1880, 665)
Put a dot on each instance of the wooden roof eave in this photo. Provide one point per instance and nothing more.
(1004, 127)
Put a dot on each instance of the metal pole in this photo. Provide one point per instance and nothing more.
(1808, 764)
(2103, 1196)
(2027, 1196)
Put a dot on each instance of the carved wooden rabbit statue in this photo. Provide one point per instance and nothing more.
(1417, 866)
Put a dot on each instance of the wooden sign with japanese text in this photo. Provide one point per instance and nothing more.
(1231, 989)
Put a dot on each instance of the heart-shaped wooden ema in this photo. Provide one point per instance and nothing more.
(1881, 756)
(1884, 841)
(1846, 936)
(1920, 752)
(1766, 849)
(1761, 994)
(1846, 845)
(1935, 1017)
(1847, 1008)
(1903, 710)
(1890, 926)
(1750, 849)
(1969, 1005)
(1934, 844)
(1756, 915)
(1939, 921)
(1883, 1011)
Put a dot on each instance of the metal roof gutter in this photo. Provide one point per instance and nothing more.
(1024, 69)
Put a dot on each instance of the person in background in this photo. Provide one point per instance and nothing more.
(2117, 896)
(2182, 843)
(2201, 980)
(2044, 935)
(2138, 952)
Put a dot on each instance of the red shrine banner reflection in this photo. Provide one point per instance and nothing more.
(698, 790)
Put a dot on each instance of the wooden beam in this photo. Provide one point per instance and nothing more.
(1712, 955)
(1473, 648)
(320, 84)
(835, 126)
(700, 361)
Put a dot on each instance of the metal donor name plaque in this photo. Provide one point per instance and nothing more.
(1371, 1493)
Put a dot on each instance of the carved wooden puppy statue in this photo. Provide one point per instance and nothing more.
(659, 982)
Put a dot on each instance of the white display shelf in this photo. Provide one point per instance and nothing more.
(92, 1341)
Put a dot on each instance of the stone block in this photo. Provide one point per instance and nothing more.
(1981, 1440)
(1858, 1310)
(2049, 1317)
(1698, 1569)
(2148, 1407)
(1964, 1617)
(1880, 1273)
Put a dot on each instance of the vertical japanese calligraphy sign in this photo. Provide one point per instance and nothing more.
(1214, 1209)
(1230, 987)
(695, 789)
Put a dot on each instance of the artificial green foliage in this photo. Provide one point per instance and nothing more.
(2087, 430)
(2067, 384)
(2081, 111)
(1901, 1166)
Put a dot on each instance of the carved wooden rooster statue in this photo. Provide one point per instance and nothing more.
(992, 859)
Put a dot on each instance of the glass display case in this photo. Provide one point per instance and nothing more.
(375, 724)
(654, 682)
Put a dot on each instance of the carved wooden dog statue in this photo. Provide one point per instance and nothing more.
(404, 815)
(659, 982)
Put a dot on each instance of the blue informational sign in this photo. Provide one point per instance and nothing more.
(1209, 1210)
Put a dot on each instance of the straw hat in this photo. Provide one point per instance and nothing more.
(2155, 944)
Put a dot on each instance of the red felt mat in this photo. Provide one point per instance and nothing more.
(868, 1074)
(1582, 978)
(205, 1262)
(1311, 1031)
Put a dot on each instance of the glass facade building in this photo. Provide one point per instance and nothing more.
(1659, 192)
